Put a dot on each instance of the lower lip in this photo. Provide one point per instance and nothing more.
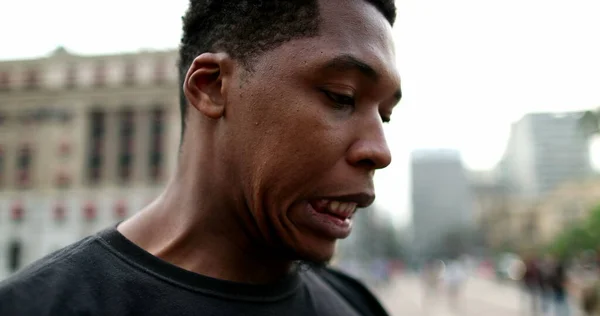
(328, 225)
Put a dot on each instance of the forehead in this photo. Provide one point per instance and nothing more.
(357, 28)
(353, 28)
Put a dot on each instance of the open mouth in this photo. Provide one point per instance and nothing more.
(337, 209)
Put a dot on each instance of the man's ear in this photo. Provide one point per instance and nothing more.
(203, 85)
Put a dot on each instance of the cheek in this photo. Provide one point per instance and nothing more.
(289, 140)
(290, 155)
(299, 146)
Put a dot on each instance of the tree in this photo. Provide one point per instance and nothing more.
(590, 122)
(580, 237)
(572, 241)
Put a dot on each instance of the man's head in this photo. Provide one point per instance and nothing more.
(290, 96)
(245, 28)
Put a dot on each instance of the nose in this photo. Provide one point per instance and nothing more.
(370, 149)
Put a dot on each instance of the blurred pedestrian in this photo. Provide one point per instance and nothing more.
(590, 289)
(590, 303)
(546, 272)
(557, 299)
(431, 276)
(532, 285)
(455, 277)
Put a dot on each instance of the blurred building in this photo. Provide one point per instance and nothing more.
(84, 142)
(514, 227)
(517, 223)
(442, 201)
(489, 195)
(490, 204)
(565, 206)
(543, 151)
(374, 235)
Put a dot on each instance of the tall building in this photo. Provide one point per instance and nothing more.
(543, 151)
(441, 199)
(490, 203)
(85, 141)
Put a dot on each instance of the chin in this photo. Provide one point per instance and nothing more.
(317, 253)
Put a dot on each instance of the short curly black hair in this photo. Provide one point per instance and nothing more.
(246, 28)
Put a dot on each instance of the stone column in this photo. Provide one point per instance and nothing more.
(110, 153)
(141, 150)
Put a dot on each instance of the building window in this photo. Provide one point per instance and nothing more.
(120, 210)
(129, 78)
(96, 146)
(126, 118)
(100, 75)
(17, 212)
(156, 140)
(32, 79)
(4, 81)
(71, 77)
(59, 213)
(39, 115)
(24, 166)
(62, 116)
(14, 256)
(64, 149)
(89, 211)
(63, 180)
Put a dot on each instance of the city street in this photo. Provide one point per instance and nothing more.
(480, 297)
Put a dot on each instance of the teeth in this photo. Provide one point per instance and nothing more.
(334, 206)
(342, 209)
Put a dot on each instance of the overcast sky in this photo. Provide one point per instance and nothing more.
(469, 67)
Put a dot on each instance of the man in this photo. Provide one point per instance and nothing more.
(431, 275)
(282, 108)
(589, 287)
(557, 287)
(455, 277)
(532, 284)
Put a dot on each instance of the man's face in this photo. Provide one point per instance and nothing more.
(305, 130)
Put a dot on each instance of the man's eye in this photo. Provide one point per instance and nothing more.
(340, 99)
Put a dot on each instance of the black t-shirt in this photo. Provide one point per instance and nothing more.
(106, 274)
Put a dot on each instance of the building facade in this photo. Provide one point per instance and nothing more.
(565, 206)
(85, 141)
(523, 224)
(543, 151)
(441, 199)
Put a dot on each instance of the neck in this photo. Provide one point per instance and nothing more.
(199, 225)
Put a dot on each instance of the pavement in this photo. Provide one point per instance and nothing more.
(403, 296)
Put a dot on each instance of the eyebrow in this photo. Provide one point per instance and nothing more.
(348, 63)
(345, 62)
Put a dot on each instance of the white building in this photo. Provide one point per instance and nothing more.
(442, 200)
(85, 141)
(545, 150)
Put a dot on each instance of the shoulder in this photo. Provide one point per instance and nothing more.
(47, 283)
(343, 278)
(354, 291)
